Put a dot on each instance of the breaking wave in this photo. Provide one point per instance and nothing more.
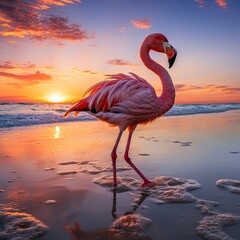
(25, 114)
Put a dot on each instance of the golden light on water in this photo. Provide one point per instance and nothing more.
(57, 132)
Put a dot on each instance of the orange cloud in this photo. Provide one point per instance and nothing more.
(3, 18)
(45, 4)
(141, 23)
(28, 78)
(121, 62)
(222, 3)
(20, 19)
(88, 72)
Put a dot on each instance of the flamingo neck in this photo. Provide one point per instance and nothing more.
(167, 98)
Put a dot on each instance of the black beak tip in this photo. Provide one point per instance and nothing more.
(172, 60)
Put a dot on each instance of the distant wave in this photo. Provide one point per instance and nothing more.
(20, 103)
(8, 120)
(187, 109)
(21, 114)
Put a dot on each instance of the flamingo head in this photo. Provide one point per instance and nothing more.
(159, 43)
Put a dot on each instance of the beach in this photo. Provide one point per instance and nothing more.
(52, 172)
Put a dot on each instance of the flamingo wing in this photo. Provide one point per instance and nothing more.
(120, 93)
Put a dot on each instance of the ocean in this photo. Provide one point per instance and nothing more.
(26, 114)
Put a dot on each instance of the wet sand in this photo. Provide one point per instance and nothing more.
(48, 171)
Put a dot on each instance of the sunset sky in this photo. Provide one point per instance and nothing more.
(53, 50)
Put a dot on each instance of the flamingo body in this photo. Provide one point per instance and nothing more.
(128, 100)
(123, 100)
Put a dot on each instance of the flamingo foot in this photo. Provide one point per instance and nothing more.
(148, 183)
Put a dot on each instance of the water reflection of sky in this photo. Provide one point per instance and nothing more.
(30, 150)
(57, 132)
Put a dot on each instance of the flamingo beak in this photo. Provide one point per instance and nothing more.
(172, 57)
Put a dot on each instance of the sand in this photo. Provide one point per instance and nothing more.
(52, 178)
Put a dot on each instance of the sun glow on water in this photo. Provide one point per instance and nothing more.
(57, 132)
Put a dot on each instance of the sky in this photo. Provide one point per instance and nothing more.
(54, 50)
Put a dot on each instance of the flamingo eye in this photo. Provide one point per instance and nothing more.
(165, 45)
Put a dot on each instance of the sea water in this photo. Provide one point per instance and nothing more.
(25, 114)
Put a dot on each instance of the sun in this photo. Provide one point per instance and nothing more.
(55, 98)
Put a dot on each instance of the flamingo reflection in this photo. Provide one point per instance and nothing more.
(137, 203)
(111, 233)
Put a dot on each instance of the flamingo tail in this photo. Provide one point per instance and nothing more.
(81, 105)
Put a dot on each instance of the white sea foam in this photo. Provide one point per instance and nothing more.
(19, 225)
(166, 189)
(229, 184)
(130, 226)
(92, 168)
(176, 190)
(213, 222)
(124, 184)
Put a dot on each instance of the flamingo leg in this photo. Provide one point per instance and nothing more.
(146, 182)
(114, 158)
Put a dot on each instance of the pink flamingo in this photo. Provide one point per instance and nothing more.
(128, 100)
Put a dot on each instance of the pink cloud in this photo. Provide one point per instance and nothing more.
(210, 88)
(21, 20)
(142, 23)
(88, 72)
(231, 89)
(121, 62)
(122, 29)
(200, 3)
(184, 87)
(8, 65)
(57, 43)
(220, 3)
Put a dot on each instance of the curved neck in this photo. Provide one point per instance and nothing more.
(167, 98)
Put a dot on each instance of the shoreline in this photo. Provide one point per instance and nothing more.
(79, 120)
(25, 115)
(59, 162)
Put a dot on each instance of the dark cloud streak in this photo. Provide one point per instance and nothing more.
(121, 62)
(7, 65)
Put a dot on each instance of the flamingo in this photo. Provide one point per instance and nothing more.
(128, 100)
